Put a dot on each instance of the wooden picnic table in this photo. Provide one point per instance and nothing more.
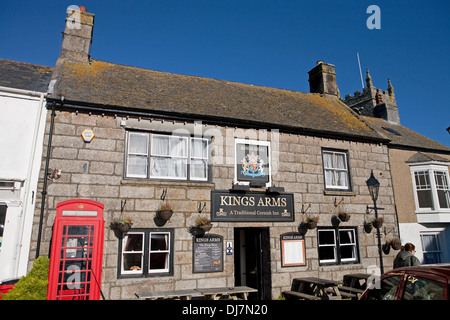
(216, 293)
(206, 293)
(313, 288)
(170, 294)
(354, 283)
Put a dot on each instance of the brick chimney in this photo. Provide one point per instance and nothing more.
(77, 36)
(322, 79)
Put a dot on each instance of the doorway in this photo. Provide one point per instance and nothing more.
(252, 261)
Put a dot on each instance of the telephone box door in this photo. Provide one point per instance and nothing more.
(77, 251)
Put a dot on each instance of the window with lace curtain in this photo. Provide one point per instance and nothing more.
(336, 170)
(160, 156)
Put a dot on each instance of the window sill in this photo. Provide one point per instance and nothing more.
(339, 193)
(165, 183)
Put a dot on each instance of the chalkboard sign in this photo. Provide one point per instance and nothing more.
(208, 254)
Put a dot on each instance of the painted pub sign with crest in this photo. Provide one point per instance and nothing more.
(252, 162)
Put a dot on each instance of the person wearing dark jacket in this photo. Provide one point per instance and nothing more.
(406, 258)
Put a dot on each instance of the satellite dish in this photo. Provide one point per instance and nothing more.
(72, 7)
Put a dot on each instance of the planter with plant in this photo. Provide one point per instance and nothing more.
(122, 224)
(377, 222)
(311, 222)
(396, 244)
(204, 224)
(344, 216)
(386, 247)
(165, 211)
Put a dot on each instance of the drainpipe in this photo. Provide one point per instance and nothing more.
(44, 188)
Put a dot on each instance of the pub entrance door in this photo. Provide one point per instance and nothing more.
(252, 261)
(76, 251)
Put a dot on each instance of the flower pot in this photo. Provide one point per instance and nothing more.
(343, 216)
(377, 223)
(197, 232)
(311, 224)
(165, 214)
(124, 227)
(396, 245)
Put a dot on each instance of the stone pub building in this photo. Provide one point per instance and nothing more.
(258, 162)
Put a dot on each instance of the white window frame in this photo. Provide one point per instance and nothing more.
(151, 154)
(167, 252)
(338, 260)
(124, 239)
(255, 143)
(353, 244)
(334, 245)
(335, 170)
(430, 168)
(137, 155)
(154, 155)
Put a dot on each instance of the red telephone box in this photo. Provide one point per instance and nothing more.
(77, 251)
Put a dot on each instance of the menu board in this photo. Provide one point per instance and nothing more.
(292, 250)
(208, 254)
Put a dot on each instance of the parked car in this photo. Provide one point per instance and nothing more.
(426, 282)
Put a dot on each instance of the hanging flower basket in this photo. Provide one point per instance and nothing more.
(196, 231)
(377, 222)
(311, 222)
(396, 244)
(165, 211)
(204, 224)
(122, 224)
(344, 216)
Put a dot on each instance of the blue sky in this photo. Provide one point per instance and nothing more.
(260, 42)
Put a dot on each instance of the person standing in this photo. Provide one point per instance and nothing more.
(406, 257)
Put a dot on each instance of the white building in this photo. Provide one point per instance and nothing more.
(22, 121)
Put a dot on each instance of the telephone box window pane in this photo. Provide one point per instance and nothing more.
(78, 230)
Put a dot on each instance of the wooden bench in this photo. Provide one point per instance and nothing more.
(349, 290)
(299, 295)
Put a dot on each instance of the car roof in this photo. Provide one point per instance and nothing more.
(442, 269)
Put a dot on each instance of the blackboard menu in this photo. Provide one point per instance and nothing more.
(208, 254)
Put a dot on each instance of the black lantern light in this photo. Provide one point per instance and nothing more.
(374, 186)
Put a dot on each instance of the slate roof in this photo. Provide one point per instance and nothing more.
(403, 137)
(21, 75)
(104, 84)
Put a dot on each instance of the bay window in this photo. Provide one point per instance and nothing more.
(159, 156)
(431, 188)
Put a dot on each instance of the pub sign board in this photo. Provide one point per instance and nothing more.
(251, 207)
(252, 161)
